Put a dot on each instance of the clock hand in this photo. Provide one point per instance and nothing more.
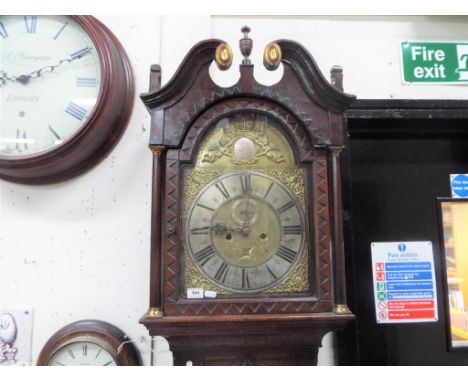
(220, 229)
(4, 78)
(25, 78)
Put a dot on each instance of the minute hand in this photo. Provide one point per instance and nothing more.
(218, 228)
(25, 78)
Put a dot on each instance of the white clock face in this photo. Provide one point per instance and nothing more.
(82, 354)
(49, 82)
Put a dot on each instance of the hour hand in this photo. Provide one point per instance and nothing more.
(218, 228)
(25, 78)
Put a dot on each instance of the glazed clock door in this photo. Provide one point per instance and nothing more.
(245, 214)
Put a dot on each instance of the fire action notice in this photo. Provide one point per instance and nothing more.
(404, 282)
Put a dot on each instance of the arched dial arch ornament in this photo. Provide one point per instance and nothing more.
(247, 205)
(66, 95)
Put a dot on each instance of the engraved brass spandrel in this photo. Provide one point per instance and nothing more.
(246, 142)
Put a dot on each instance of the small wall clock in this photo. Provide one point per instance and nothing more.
(88, 343)
(66, 92)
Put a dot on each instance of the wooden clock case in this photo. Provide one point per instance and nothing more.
(259, 329)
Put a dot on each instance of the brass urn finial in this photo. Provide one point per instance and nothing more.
(245, 45)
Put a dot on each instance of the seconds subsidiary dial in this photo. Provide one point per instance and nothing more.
(245, 231)
(49, 82)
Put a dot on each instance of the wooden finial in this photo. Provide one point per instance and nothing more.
(336, 74)
(155, 77)
(245, 45)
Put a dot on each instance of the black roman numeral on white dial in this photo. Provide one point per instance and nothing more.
(50, 80)
(245, 231)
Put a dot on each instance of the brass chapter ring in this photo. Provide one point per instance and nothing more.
(272, 56)
(223, 56)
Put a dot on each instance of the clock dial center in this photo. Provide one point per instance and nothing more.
(254, 231)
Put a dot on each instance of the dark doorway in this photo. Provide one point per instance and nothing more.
(397, 162)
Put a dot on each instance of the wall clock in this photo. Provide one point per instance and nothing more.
(88, 343)
(66, 93)
(247, 258)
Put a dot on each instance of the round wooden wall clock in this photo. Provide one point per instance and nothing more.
(66, 93)
(89, 343)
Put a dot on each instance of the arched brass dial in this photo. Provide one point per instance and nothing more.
(245, 231)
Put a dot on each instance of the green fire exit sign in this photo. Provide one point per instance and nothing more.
(435, 62)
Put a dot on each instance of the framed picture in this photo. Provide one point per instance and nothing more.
(15, 336)
(453, 218)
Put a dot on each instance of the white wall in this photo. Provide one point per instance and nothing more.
(80, 249)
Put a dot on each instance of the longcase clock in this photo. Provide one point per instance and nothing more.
(247, 262)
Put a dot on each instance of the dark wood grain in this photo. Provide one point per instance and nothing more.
(258, 329)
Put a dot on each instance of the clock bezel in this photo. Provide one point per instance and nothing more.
(98, 332)
(99, 134)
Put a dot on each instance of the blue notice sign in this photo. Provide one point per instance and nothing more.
(410, 266)
(459, 185)
(414, 295)
(403, 276)
(410, 285)
(404, 282)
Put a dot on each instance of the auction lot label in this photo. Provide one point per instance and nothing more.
(404, 282)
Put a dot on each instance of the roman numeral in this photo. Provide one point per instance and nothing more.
(222, 273)
(204, 255)
(292, 230)
(76, 111)
(60, 31)
(69, 351)
(83, 82)
(107, 363)
(268, 191)
(205, 207)
(85, 350)
(222, 188)
(286, 254)
(21, 141)
(271, 273)
(245, 279)
(54, 133)
(97, 355)
(80, 53)
(245, 184)
(286, 207)
(3, 31)
(199, 231)
(58, 363)
(31, 23)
